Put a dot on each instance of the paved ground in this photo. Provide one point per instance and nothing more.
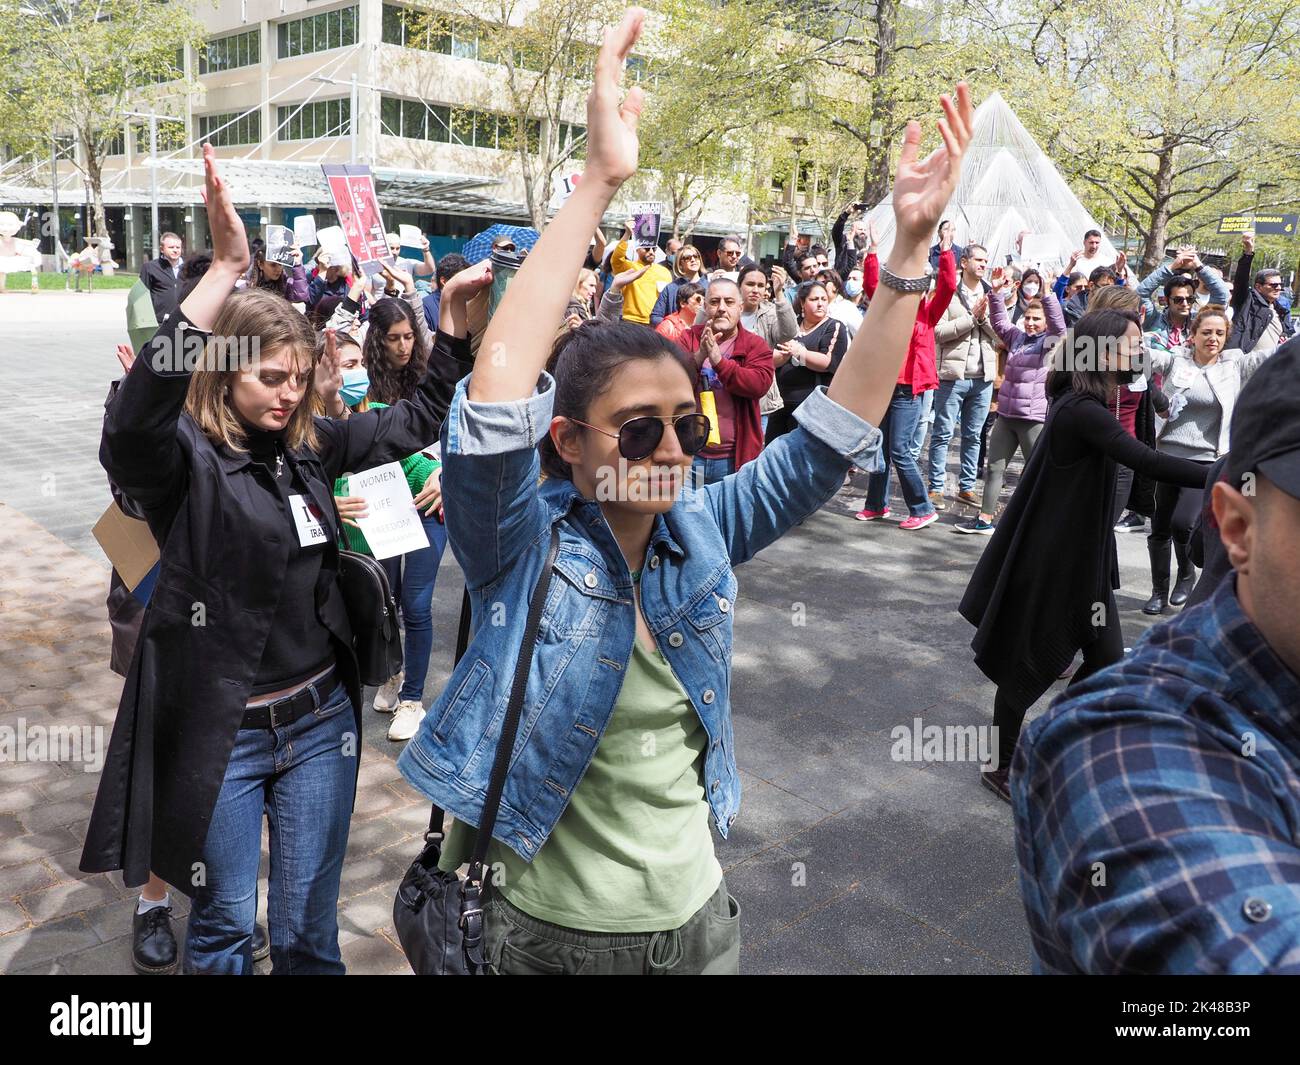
(843, 859)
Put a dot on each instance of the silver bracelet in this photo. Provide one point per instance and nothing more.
(903, 284)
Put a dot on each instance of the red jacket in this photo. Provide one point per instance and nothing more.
(747, 374)
(919, 369)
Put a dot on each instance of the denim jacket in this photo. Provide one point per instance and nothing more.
(499, 519)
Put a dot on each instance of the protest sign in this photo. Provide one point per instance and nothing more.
(304, 230)
(279, 245)
(353, 191)
(393, 525)
(334, 243)
(645, 229)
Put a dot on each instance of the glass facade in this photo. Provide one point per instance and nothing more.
(320, 118)
(229, 53)
(317, 33)
(223, 130)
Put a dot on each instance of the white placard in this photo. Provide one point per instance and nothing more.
(393, 525)
(334, 242)
(310, 531)
(1038, 248)
(304, 230)
(410, 236)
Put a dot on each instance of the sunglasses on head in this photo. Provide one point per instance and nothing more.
(638, 438)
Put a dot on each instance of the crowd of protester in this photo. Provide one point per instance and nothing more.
(753, 389)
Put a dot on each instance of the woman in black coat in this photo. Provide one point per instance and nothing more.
(243, 694)
(1044, 587)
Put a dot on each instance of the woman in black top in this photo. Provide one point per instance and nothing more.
(1044, 587)
(808, 360)
(243, 695)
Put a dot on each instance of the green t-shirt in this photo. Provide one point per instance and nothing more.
(632, 852)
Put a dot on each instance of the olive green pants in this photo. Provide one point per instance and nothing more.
(708, 944)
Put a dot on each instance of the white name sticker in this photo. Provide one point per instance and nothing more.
(1183, 376)
(306, 518)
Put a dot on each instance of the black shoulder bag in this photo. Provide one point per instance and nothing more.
(438, 915)
(372, 614)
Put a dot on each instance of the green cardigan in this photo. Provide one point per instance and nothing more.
(417, 468)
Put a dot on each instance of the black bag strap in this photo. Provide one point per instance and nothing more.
(514, 710)
(510, 726)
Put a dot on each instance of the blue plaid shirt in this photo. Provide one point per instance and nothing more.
(1157, 807)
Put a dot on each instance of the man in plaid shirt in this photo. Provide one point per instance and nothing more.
(1157, 804)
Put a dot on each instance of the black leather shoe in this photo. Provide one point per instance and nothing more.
(1186, 579)
(153, 947)
(1159, 551)
(998, 781)
(261, 943)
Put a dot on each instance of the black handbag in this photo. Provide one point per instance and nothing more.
(372, 613)
(438, 915)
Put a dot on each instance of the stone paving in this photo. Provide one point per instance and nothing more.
(843, 859)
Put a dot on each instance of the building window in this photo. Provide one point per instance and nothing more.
(171, 135)
(317, 33)
(458, 125)
(320, 118)
(116, 143)
(242, 128)
(431, 32)
(228, 53)
(570, 132)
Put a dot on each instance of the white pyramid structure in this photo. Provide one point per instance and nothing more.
(1007, 186)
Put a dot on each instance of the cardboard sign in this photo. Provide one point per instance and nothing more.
(645, 228)
(353, 191)
(393, 525)
(128, 543)
(279, 245)
(304, 230)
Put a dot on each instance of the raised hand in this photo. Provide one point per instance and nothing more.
(399, 277)
(229, 239)
(999, 279)
(923, 187)
(612, 147)
(622, 280)
(779, 278)
(126, 356)
(1248, 242)
(328, 376)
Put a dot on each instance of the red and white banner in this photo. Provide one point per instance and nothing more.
(353, 191)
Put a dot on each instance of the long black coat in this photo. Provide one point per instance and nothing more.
(1051, 560)
(225, 541)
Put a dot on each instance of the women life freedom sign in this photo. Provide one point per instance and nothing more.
(392, 525)
(353, 191)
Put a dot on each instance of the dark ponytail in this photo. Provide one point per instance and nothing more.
(583, 362)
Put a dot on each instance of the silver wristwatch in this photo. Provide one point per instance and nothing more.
(903, 284)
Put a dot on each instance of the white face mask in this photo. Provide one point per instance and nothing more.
(1030, 288)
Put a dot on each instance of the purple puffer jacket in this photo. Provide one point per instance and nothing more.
(1024, 380)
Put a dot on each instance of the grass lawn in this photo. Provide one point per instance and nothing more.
(48, 281)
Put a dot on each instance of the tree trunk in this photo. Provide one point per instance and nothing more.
(1153, 251)
(876, 177)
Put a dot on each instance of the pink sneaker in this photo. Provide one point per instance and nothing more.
(913, 523)
(872, 515)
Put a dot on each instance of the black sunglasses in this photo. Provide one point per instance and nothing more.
(1271, 284)
(638, 438)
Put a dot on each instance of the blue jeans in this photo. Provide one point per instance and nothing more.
(707, 471)
(412, 577)
(923, 424)
(899, 427)
(302, 776)
(972, 399)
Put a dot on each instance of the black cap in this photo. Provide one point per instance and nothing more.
(1266, 422)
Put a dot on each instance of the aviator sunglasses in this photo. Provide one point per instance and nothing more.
(638, 438)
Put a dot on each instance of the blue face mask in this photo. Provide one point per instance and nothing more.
(852, 289)
(356, 383)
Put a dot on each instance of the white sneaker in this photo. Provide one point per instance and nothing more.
(386, 698)
(406, 722)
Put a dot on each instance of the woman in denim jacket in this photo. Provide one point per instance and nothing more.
(601, 859)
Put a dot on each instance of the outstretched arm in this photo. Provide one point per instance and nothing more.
(518, 339)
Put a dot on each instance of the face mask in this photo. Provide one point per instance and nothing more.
(356, 383)
(1030, 289)
(852, 289)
